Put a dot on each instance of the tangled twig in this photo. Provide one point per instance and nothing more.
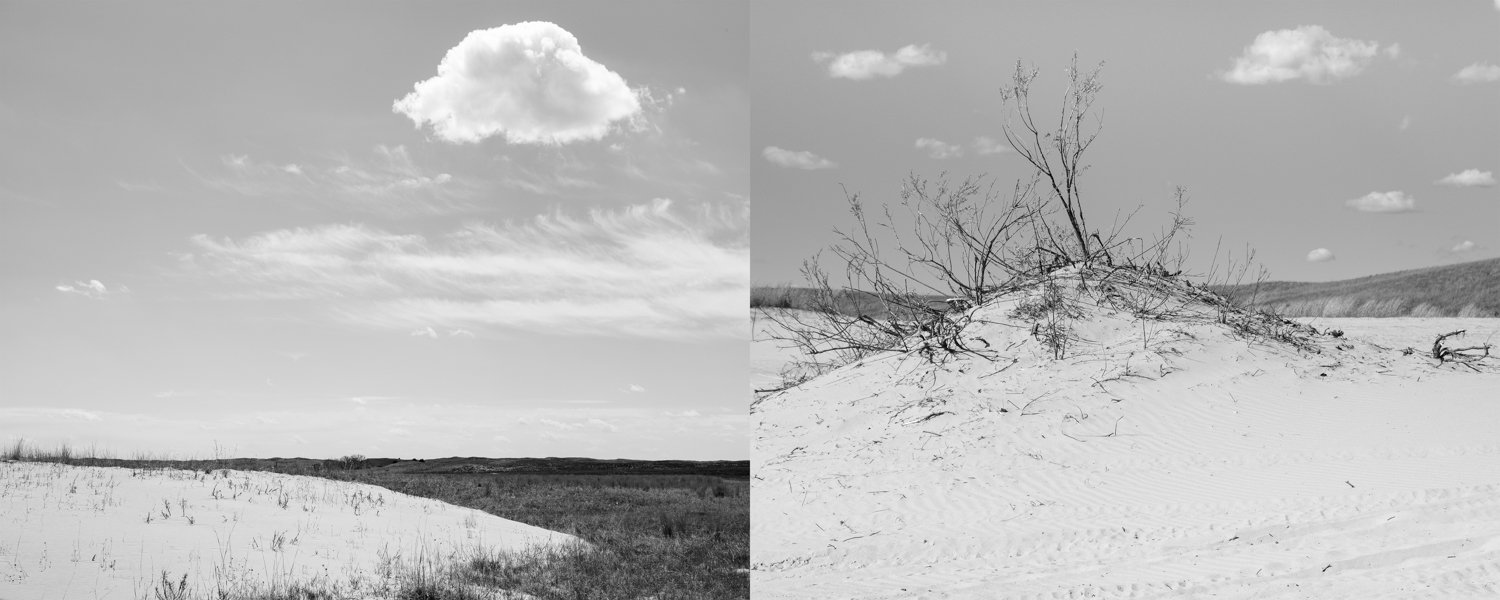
(1462, 356)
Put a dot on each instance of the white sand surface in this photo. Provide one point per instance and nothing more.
(1178, 461)
(83, 532)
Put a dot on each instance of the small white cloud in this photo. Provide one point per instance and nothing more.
(1387, 202)
(602, 424)
(1477, 73)
(796, 159)
(425, 332)
(92, 288)
(364, 400)
(293, 169)
(1405, 123)
(868, 64)
(634, 389)
(529, 82)
(686, 414)
(1308, 52)
(939, 150)
(78, 413)
(1468, 178)
(460, 333)
(1393, 51)
(1463, 246)
(135, 186)
(1320, 255)
(985, 145)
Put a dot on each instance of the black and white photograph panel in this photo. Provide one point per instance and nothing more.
(374, 300)
(1125, 300)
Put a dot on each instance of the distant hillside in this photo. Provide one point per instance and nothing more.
(1470, 289)
(728, 469)
(848, 302)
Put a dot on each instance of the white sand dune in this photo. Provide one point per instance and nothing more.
(83, 532)
(1206, 466)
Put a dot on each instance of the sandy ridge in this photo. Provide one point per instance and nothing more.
(1225, 468)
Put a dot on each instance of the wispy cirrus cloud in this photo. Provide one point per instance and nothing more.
(1383, 202)
(18, 414)
(1468, 178)
(938, 149)
(796, 159)
(92, 288)
(389, 182)
(1310, 53)
(869, 64)
(1477, 73)
(651, 270)
(529, 83)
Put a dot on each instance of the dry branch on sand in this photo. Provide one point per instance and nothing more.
(1463, 356)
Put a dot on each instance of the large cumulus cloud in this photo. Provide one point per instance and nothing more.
(1309, 53)
(528, 82)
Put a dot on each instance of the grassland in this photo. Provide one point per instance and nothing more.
(667, 533)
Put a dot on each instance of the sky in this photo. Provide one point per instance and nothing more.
(1333, 139)
(390, 229)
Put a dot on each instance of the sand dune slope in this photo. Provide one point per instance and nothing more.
(113, 533)
(1178, 460)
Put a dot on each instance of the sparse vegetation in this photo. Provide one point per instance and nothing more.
(652, 536)
(943, 249)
